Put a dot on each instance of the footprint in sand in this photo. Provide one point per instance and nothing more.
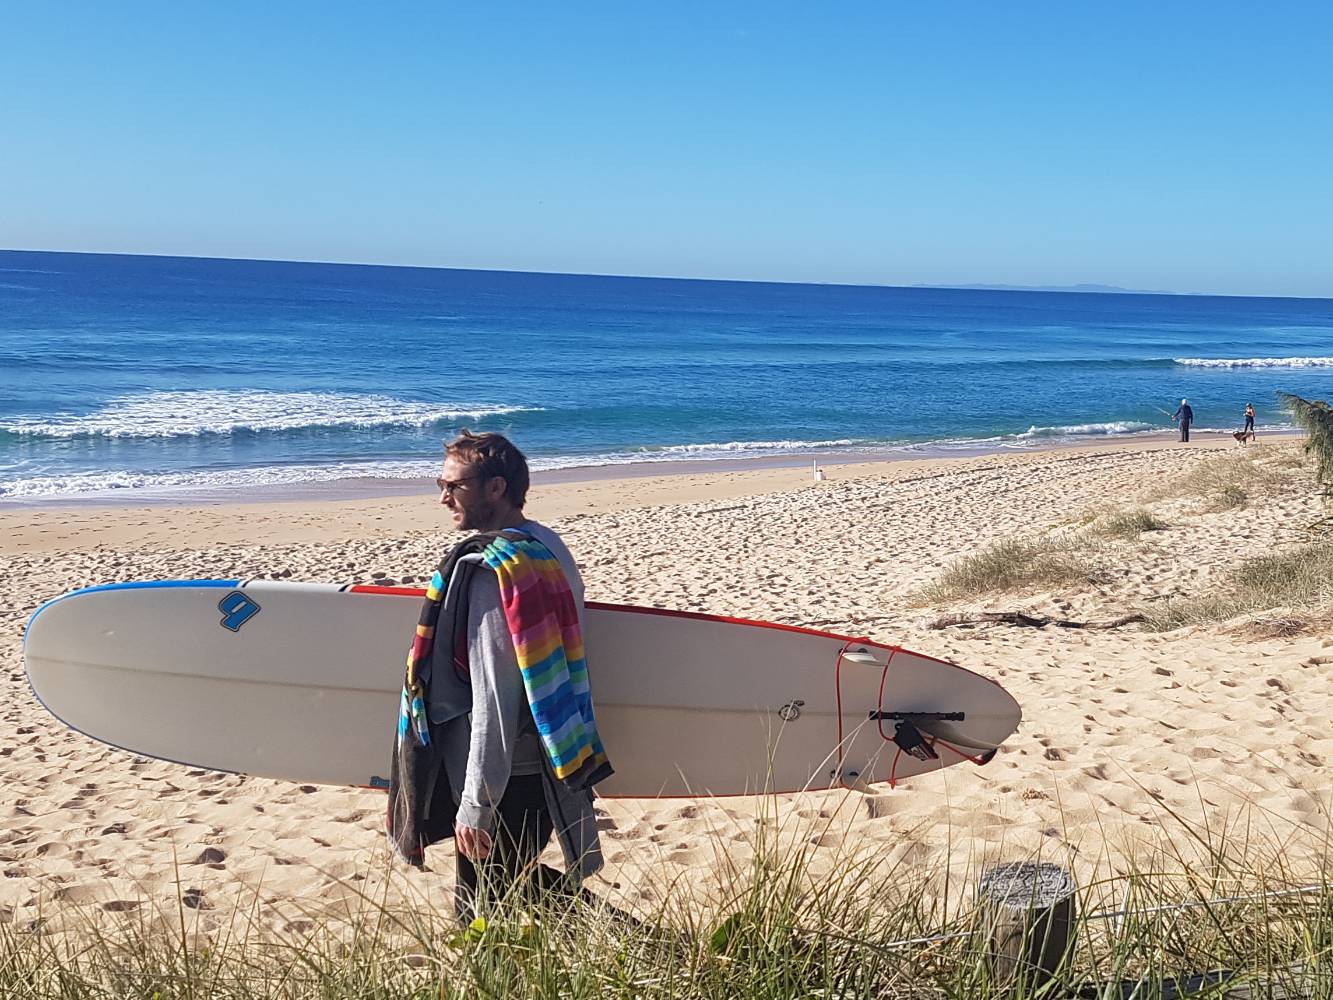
(877, 806)
(212, 856)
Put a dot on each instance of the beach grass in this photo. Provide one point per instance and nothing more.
(1127, 524)
(785, 922)
(1053, 560)
(1227, 482)
(1297, 583)
(1064, 557)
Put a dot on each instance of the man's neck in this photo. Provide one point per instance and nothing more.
(510, 519)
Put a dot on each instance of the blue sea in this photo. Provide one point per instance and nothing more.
(130, 376)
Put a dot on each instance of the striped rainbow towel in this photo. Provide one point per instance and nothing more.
(543, 620)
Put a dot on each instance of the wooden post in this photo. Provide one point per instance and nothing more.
(1027, 915)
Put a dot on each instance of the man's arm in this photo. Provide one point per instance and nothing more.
(498, 701)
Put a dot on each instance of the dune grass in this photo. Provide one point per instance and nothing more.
(785, 922)
(1287, 458)
(1063, 557)
(1226, 482)
(1298, 583)
(1014, 563)
(1127, 524)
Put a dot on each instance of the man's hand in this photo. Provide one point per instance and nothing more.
(473, 844)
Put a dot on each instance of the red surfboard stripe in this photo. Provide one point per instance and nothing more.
(363, 588)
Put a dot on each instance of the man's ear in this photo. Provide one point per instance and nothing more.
(496, 488)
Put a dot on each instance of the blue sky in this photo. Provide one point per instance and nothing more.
(1184, 146)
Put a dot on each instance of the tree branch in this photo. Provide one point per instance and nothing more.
(1025, 619)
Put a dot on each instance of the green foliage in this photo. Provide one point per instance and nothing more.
(1127, 524)
(1229, 496)
(785, 922)
(1299, 579)
(1223, 482)
(1315, 417)
(1014, 563)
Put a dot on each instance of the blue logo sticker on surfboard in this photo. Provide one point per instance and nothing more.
(237, 609)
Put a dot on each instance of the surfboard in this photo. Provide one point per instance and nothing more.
(301, 681)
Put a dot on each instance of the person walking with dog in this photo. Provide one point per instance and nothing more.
(1186, 417)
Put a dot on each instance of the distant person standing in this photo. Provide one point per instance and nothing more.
(1249, 419)
(1186, 417)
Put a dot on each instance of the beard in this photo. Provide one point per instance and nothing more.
(476, 518)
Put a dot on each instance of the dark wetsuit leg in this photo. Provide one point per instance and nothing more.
(523, 828)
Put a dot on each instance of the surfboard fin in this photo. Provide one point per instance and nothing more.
(910, 740)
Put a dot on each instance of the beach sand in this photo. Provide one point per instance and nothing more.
(1130, 738)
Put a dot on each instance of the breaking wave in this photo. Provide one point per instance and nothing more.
(700, 453)
(1316, 362)
(194, 414)
(113, 483)
(1088, 430)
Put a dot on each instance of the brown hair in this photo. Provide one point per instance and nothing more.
(493, 455)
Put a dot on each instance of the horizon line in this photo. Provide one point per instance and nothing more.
(1078, 288)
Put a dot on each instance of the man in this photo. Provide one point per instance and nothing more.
(1186, 417)
(503, 794)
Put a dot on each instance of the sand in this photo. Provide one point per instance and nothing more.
(1130, 738)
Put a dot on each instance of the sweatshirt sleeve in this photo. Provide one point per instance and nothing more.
(498, 700)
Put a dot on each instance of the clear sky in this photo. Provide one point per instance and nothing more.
(1158, 145)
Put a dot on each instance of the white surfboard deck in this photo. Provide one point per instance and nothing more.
(301, 682)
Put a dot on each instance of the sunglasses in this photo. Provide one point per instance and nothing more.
(451, 486)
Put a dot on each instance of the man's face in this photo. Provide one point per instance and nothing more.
(467, 496)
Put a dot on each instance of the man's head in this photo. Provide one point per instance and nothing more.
(484, 482)
(1184, 402)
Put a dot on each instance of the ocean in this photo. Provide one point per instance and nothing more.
(150, 377)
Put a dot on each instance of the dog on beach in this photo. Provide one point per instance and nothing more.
(1244, 437)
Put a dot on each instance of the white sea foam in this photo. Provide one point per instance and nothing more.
(1088, 430)
(698, 453)
(122, 483)
(113, 483)
(1033, 437)
(1316, 362)
(119, 483)
(729, 449)
(191, 414)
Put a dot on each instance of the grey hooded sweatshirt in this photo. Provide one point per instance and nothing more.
(498, 737)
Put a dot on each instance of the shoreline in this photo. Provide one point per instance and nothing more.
(377, 488)
(394, 508)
